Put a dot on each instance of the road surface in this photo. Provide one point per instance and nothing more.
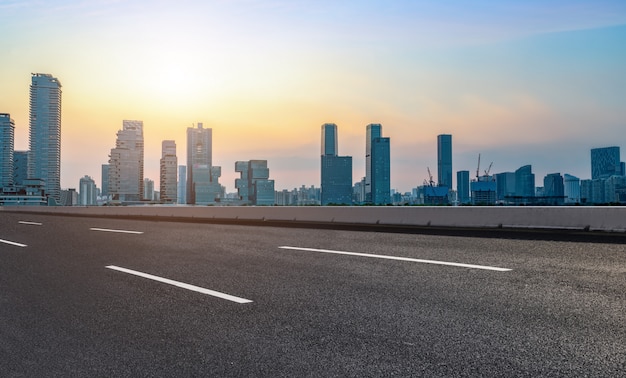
(106, 298)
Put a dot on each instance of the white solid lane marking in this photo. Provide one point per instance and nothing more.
(12, 243)
(400, 258)
(181, 284)
(30, 223)
(119, 231)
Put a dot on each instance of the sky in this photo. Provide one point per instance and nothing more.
(519, 82)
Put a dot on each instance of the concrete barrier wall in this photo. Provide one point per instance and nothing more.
(593, 218)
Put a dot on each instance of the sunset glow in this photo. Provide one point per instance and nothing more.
(521, 82)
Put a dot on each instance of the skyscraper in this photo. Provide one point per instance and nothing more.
(605, 162)
(87, 191)
(524, 182)
(336, 171)
(444, 160)
(182, 184)
(20, 164)
(463, 187)
(571, 188)
(7, 142)
(254, 186)
(554, 189)
(199, 161)
(329, 139)
(45, 133)
(105, 180)
(377, 166)
(148, 189)
(126, 163)
(169, 163)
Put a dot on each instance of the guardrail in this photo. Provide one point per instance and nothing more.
(583, 218)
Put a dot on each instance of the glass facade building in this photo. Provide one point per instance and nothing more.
(571, 189)
(45, 133)
(444, 160)
(605, 162)
(336, 171)
(20, 167)
(554, 189)
(168, 186)
(202, 180)
(329, 139)
(126, 162)
(182, 184)
(462, 187)
(7, 143)
(524, 182)
(377, 166)
(87, 192)
(254, 186)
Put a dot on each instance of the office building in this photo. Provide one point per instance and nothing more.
(571, 189)
(202, 178)
(336, 171)
(444, 160)
(148, 189)
(87, 191)
(329, 139)
(505, 186)
(182, 184)
(105, 180)
(45, 133)
(254, 186)
(7, 142)
(169, 163)
(605, 162)
(554, 189)
(524, 184)
(377, 166)
(20, 168)
(463, 187)
(126, 163)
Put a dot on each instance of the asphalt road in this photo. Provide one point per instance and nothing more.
(76, 301)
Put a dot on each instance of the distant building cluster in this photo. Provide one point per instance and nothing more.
(33, 177)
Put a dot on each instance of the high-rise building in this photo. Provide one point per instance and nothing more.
(169, 163)
(87, 191)
(463, 187)
(20, 167)
(571, 189)
(45, 133)
(336, 171)
(126, 163)
(254, 186)
(524, 183)
(199, 163)
(148, 189)
(554, 189)
(605, 162)
(7, 142)
(444, 160)
(182, 184)
(377, 166)
(505, 186)
(329, 139)
(105, 180)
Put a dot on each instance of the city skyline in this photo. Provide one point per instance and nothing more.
(521, 83)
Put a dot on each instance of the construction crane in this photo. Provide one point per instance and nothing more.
(488, 169)
(430, 177)
(478, 169)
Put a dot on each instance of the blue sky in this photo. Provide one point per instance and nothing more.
(521, 82)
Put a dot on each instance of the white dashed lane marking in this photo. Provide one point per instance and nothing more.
(118, 231)
(183, 285)
(399, 258)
